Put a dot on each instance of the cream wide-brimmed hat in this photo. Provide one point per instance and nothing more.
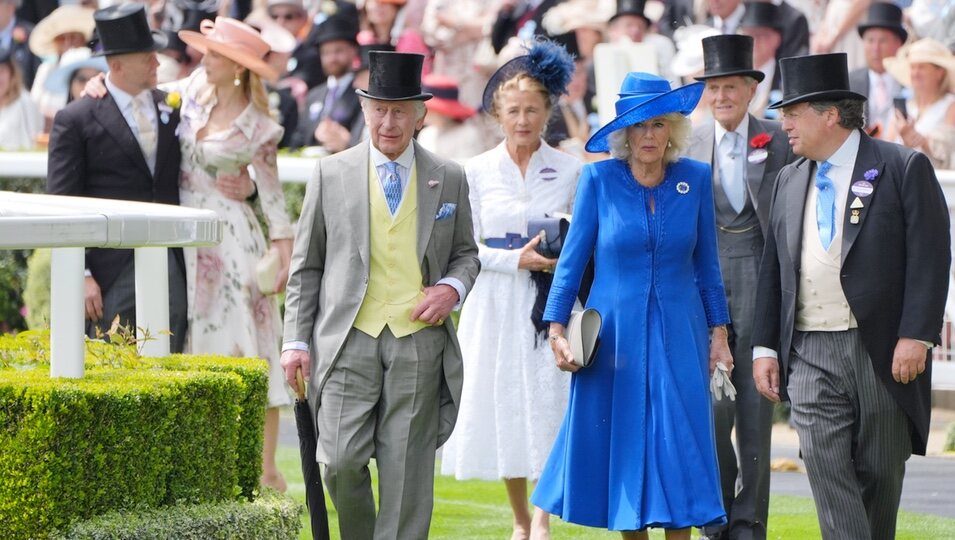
(62, 20)
(236, 41)
(925, 51)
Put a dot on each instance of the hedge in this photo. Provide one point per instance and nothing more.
(134, 432)
(271, 516)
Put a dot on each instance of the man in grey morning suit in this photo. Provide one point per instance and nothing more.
(745, 153)
(850, 299)
(383, 252)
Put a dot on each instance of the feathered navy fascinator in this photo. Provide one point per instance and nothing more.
(545, 61)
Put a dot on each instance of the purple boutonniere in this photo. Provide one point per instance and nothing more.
(870, 175)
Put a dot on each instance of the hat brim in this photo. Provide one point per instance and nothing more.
(454, 109)
(632, 13)
(901, 68)
(897, 30)
(160, 41)
(253, 63)
(828, 95)
(76, 19)
(680, 100)
(58, 82)
(424, 96)
(504, 73)
(754, 73)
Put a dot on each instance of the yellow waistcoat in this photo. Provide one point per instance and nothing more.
(394, 275)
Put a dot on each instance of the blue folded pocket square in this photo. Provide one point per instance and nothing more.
(447, 210)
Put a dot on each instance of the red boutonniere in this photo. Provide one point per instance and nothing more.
(761, 140)
(19, 34)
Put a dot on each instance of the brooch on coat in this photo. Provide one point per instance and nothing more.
(682, 188)
(758, 144)
(861, 189)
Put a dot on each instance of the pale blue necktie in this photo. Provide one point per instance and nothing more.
(731, 174)
(392, 186)
(825, 205)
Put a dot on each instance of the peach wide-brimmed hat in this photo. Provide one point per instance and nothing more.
(924, 51)
(236, 41)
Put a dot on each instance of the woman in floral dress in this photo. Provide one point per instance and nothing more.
(224, 129)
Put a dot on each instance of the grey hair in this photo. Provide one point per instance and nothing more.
(419, 105)
(851, 111)
(680, 129)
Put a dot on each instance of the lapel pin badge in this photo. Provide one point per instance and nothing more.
(164, 117)
(682, 188)
(432, 183)
(854, 218)
(857, 203)
(862, 188)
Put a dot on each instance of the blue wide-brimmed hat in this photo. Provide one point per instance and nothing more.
(58, 81)
(644, 96)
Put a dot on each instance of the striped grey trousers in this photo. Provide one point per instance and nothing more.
(853, 436)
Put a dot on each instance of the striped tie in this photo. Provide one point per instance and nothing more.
(392, 187)
(825, 205)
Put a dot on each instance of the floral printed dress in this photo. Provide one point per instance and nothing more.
(227, 313)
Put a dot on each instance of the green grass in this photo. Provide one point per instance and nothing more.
(479, 510)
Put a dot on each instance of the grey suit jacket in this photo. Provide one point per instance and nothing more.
(330, 262)
(760, 177)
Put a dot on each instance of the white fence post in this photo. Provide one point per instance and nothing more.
(67, 319)
(152, 299)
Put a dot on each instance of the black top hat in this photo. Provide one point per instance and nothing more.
(761, 14)
(123, 29)
(630, 7)
(336, 28)
(884, 15)
(364, 52)
(729, 55)
(816, 77)
(394, 76)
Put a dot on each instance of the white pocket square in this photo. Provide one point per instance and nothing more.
(447, 210)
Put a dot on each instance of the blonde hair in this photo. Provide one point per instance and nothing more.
(16, 82)
(680, 129)
(252, 87)
(523, 82)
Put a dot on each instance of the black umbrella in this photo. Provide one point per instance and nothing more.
(307, 443)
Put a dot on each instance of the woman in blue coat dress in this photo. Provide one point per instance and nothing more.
(636, 446)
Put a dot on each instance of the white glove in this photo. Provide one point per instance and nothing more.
(720, 383)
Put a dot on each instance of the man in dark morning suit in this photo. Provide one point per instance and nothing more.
(384, 250)
(882, 35)
(332, 116)
(123, 146)
(850, 299)
(745, 153)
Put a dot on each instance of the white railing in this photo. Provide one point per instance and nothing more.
(71, 224)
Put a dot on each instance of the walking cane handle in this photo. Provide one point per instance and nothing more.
(299, 384)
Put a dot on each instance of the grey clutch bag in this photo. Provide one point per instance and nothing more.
(583, 335)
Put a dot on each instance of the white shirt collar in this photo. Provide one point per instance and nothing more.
(406, 159)
(122, 98)
(742, 129)
(845, 156)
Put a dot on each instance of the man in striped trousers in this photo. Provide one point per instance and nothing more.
(850, 298)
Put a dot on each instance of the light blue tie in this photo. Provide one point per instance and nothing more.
(392, 187)
(731, 173)
(825, 205)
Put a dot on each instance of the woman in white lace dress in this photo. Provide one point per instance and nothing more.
(513, 399)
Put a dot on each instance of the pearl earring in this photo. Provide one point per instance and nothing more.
(236, 81)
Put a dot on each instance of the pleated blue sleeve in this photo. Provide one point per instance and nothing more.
(577, 250)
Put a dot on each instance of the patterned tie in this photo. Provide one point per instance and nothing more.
(392, 187)
(825, 205)
(731, 174)
(147, 131)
